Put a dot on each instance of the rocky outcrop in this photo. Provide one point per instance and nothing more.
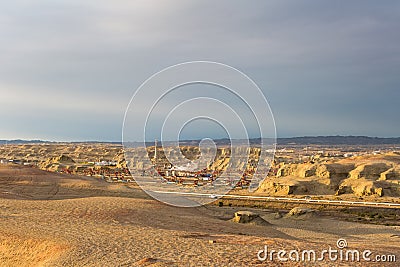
(299, 170)
(300, 213)
(276, 188)
(364, 179)
(364, 189)
(249, 217)
(390, 174)
(333, 170)
(368, 179)
(325, 171)
(370, 171)
(57, 163)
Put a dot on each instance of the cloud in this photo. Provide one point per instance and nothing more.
(313, 60)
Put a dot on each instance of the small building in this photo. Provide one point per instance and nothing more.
(16, 161)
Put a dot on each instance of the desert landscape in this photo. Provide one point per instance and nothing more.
(340, 172)
(54, 212)
(199, 133)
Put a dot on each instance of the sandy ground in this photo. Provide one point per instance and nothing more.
(58, 220)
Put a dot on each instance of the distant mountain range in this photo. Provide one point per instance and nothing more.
(22, 142)
(305, 140)
(19, 141)
(339, 140)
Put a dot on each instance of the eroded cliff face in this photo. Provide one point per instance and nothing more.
(57, 163)
(360, 177)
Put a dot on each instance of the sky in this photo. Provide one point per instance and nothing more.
(69, 68)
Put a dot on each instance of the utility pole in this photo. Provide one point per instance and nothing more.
(155, 152)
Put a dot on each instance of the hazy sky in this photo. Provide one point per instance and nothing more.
(69, 68)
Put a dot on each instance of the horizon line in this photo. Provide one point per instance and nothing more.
(187, 140)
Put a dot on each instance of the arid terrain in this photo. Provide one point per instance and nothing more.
(340, 172)
(50, 219)
(369, 176)
(77, 205)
